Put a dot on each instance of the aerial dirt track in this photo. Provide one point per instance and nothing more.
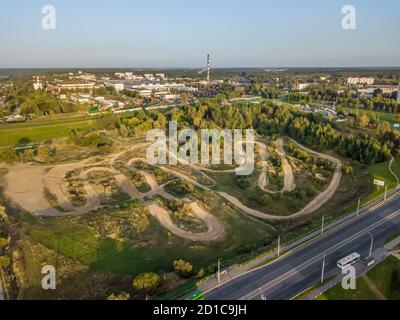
(25, 185)
(313, 206)
(289, 184)
(216, 229)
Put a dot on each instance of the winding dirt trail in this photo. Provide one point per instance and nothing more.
(25, 185)
(215, 230)
(313, 206)
(289, 184)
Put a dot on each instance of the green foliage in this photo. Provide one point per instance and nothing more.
(348, 170)
(179, 188)
(43, 103)
(243, 182)
(146, 282)
(7, 155)
(183, 269)
(4, 261)
(201, 274)
(395, 286)
(3, 242)
(123, 296)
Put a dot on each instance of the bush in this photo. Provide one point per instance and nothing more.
(179, 188)
(4, 262)
(264, 200)
(146, 282)
(123, 296)
(183, 269)
(3, 242)
(7, 155)
(243, 182)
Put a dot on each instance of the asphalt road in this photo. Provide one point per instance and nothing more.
(301, 269)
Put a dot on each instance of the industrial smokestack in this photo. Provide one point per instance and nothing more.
(208, 68)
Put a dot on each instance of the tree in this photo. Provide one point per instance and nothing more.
(146, 282)
(183, 269)
(162, 121)
(27, 155)
(43, 153)
(7, 155)
(123, 296)
(4, 261)
(201, 274)
(3, 242)
(363, 121)
(123, 132)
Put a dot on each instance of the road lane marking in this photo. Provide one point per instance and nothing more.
(348, 222)
(316, 258)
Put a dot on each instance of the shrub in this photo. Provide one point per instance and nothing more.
(183, 269)
(146, 282)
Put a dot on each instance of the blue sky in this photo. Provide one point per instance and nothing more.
(179, 33)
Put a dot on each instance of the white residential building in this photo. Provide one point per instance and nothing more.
(145, 93)
(117, 86)
(357, 81)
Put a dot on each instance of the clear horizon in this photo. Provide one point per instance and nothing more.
(175, 34)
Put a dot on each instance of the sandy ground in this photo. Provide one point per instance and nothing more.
(215, 228)
(313, 206)
(289, 184)
(25, 184)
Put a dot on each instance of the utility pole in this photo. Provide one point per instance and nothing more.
(322, 227)
(323, 269)
(279, 246)
(219, 271)
(386, 191)
(358, 207)
(372, 244)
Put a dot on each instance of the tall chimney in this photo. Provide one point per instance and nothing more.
(208, 68)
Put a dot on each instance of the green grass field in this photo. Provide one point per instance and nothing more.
(381, 172)
(40, 130)
(382, 116)
(153, 250)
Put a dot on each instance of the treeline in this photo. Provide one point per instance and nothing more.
(311, 130)
(267, 119)
(22, 97)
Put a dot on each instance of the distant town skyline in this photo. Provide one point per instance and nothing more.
(180, 34)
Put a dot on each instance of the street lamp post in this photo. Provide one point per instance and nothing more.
(219, 271)
(279, 246)
(372, 244)
(323, 224)
(358, 207)
(323, 269)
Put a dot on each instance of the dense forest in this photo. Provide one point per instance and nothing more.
(270, 119)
